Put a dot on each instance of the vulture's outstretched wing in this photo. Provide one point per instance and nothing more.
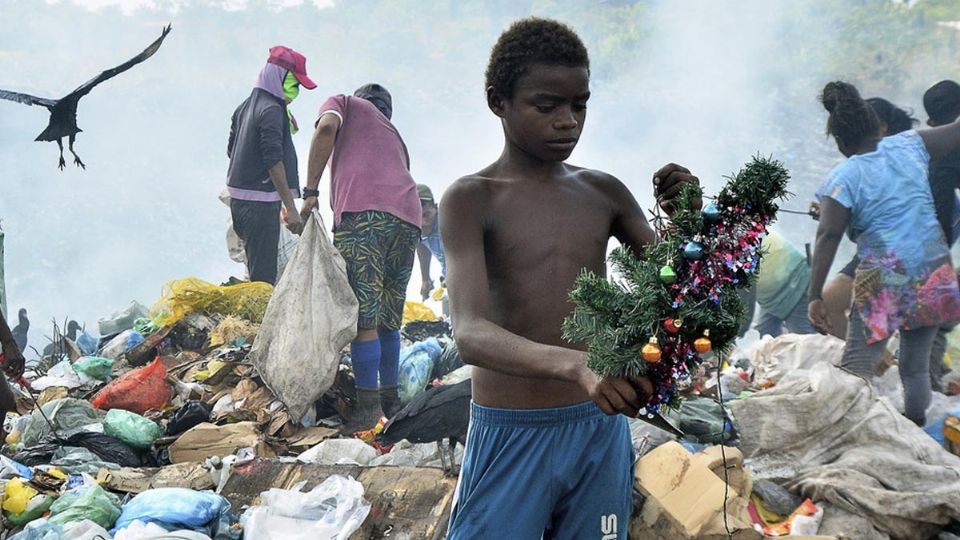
(27, 99)
(85, 88)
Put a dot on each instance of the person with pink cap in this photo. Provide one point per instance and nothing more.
(262, 177)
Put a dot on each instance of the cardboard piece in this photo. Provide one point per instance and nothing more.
(207, 440)
(685, 497)
(183, 475)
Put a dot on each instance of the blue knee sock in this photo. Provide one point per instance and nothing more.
(389, 357)
(366, 362)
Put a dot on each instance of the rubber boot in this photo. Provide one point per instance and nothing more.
(365, 414)
(389, 400)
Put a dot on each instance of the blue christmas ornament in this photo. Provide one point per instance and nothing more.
(711, 213)
(693, 251)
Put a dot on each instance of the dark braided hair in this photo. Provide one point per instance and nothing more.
(532, 41)
(896, 119)
(851, 121)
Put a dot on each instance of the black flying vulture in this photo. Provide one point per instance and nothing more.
(63, 111)
(20, 330)
(442, 412)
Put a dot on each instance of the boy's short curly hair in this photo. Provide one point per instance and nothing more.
(532, 41)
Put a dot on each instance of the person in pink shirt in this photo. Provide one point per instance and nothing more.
(376, 217)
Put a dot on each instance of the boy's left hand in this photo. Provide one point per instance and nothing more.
(669, 181)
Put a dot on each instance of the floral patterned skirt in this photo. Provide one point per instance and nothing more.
(888, 298)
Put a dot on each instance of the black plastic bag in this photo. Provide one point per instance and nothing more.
(449, 361)
(192, 413)
(110, 450)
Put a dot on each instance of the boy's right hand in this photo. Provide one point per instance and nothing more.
(626, 395)
(669, 181)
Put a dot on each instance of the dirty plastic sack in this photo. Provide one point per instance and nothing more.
(87, 344)
(139, 530)
(127, 340)
(121, 320)
(829, 437)
(60, 375)
(310, 318)
(334, 509)
(137, 391)
(67, 415)
(92, 503)
(94, 367)
(175, 507)
(43, 529)
(131, 428)
(192, 414)
(776, 498)
(109, 449)
(701, 420)
(75, 460)
(416, 364)
(339, 451)
(39, 530)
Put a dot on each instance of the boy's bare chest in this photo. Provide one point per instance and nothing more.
(558, 231)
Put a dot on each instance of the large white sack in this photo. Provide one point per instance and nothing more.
(311, 316)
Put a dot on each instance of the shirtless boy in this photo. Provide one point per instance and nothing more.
(549, 452)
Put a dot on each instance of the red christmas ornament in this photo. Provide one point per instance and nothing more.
(651, 351)
(672, 325)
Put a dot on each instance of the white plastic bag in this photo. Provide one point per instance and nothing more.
(138, 530)
(311, 316)
(339, 452)
(333, 510)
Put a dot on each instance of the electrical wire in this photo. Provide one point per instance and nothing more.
(723, 453)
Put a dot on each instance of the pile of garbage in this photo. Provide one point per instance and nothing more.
(163, 425)
(799, 448)
(135, 434)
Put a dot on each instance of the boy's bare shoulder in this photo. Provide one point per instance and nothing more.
(472, 189)
(606, 183)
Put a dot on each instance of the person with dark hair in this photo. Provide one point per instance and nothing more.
(376, 224)
(548, 453)
(263, 161)
(905, 279)
(431, 244)
(838, 292)
(942, 104)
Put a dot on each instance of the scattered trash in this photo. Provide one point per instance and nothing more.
(206, 440)
(94, 367)
(138, 391)
(334, 509)
(416, 365)
(86, 503)
(175, 507)
(311, 317)
(183, 296)
(191, 414)
(131, 428)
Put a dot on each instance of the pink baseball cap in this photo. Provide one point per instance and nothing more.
(292, 61)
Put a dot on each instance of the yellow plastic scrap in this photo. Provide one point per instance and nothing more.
(184, 296)
(438, 294)
(17, 496)
(213, 367)
(417, 311)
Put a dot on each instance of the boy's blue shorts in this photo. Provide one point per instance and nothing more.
(563, 473)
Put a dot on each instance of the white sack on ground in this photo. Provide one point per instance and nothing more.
(837, 440)
(311, 316)
(772, 358)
